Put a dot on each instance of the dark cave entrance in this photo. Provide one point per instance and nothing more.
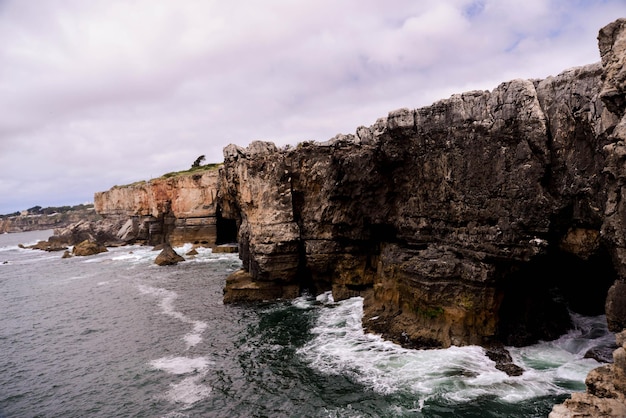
(225, 229)
(538, 296)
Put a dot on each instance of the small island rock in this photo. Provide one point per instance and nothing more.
(168, 257)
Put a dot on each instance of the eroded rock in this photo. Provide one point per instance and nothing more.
(87, 248)
(456, 221)
(168, 256)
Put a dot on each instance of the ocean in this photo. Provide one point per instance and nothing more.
(114, 335)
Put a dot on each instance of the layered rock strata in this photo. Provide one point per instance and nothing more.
(177, 209)
(458, 222)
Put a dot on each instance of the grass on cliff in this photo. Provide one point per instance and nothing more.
(200, 168)
(192, 170)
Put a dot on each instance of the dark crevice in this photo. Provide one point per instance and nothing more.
(226, 229)
(537, 297)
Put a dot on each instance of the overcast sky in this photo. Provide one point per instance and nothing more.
(103, 92)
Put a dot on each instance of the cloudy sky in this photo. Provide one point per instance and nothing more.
(104, 92)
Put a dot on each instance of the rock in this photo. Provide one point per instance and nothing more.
(192, 252)
(87, 247)
(504, 361)
(168, 257)
(225, 248)
(616, 306)
(102, 232)
(600, 354)
(240, 287)
(606, 390)
(34, 222)
(180, 208)
(66, 254)
(456, 222)
(612, 44)
(48, 246)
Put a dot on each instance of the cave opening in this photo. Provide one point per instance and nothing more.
(225, 229)
(538, 296)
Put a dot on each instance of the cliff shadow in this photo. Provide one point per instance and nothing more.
(226, 229)
(538, 296)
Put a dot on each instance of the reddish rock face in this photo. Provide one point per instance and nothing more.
(178, 209)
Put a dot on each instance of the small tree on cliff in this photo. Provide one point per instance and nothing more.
(198, 161)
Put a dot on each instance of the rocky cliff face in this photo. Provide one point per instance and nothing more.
(23, 223)
(177, 209)
(458, 222)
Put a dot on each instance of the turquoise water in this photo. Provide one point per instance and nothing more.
(114, 335)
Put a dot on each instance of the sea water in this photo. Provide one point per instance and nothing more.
(114, 335)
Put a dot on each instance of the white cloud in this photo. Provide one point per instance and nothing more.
(106, 92)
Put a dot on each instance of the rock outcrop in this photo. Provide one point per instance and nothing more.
(606, 390)
(87, 248)
(458, 222)
(168, 257)
(177, 209)
(37, 222)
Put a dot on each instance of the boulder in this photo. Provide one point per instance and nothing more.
(168, 256)
(87, 248)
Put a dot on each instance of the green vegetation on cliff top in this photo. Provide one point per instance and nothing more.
(193, 170)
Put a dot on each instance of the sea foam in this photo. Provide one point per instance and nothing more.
(458, 374)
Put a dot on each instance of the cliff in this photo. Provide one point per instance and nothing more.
(481, 219)
(178, 208)
(38, 222)
(458, 222)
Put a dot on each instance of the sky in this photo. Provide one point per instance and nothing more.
(108, 92)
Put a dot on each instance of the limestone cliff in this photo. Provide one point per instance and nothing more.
(38, 222)
(458, 222)
(178, 209)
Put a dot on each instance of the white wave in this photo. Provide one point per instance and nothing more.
(192, 388)
(459, 374)
(188, 391)
(168, 297)
(181, 365)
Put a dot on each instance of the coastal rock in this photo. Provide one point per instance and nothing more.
(168, 257)
(49, 245)
(87, 248)
(101, 232)
(457, 222)
(606, 390)
(178, 208)
(42, 221)
(241, 287)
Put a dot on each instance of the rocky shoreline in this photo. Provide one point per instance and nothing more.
(41, 221)
(480, 219)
